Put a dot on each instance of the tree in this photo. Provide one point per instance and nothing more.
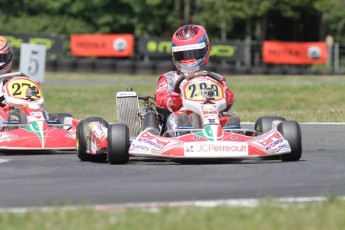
(333, 14)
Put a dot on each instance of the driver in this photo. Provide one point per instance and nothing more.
(190, 52)
(6, 59)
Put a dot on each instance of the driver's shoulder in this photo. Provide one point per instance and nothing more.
(170, 75)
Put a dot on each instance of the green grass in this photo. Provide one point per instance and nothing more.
(268, 215)
(301, 98)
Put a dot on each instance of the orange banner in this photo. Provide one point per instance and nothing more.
(102, 45)
(298, 53)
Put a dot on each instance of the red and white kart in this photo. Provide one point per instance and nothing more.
(25, 124)
(136, 133)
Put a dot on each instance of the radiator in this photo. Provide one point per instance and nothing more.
(127, 108)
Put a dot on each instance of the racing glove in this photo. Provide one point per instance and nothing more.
(174, 102)
(230, 98)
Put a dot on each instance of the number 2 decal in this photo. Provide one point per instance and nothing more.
(192, 88)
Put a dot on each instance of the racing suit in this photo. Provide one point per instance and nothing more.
(163, 93)
(4, 108)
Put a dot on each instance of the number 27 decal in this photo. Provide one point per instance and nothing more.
(23, 89)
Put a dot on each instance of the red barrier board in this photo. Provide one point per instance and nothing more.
(298, 53)
(102, 45)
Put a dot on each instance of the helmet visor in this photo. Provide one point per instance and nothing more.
(189, 52)
(5, 57)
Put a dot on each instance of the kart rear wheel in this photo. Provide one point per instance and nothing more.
(264, 124)
(82, 140)
(291, 132)
(118, 143)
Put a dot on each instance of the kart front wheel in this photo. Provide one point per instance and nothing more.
(82, 140)
(264, 124)
(118, 143)
(291, 132)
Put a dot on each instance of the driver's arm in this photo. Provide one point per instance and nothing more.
(165, 98)
(230, 96)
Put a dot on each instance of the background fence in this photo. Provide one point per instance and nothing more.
(139, 64)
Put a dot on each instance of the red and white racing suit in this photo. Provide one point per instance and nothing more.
(4, 108)
(165, 87)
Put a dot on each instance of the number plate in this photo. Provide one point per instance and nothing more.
(18, 88)
(192, 90)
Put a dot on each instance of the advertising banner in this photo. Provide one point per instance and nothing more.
(53, 43)
(102, 45)
(161, 47)
(297, 53)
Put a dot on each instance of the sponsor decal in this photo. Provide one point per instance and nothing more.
(98, 130)
(209, 109)
(102, 45)
(269, 138)
(139, 149)
(120, 44)
(273, 141)
(314, 52)
(283, 148)
(188, 47)
(53, 43)
(98, 135)
(225, 149)
(294, 52)
(126, 94)
(273, 144)
(151, 143)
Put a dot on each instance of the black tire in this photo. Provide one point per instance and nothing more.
(234, 120)
(82, 135)
(59, 117)
(264, 124)
(291, 131)
(118, 143)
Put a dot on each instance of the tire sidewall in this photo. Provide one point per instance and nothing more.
(291, 132)
(83, 135)
(118, 143)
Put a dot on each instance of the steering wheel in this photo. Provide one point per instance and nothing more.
(195, 75)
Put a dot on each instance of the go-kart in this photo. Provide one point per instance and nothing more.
(139, 133)
(25, 124)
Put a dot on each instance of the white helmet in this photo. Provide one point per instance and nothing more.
(6, 56)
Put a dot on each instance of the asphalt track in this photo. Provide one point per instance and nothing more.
(50, 179)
